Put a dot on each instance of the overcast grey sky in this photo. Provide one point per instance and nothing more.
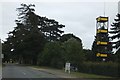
(79, 18)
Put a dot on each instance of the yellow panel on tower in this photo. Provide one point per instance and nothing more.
(102, 31)
(102, 43)
(102, 19)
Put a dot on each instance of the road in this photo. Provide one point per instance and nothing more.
(16, 71)
(21, 72)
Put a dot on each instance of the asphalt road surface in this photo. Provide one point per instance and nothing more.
(20, 72)
(17, 71)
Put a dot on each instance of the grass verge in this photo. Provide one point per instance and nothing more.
(75, 74)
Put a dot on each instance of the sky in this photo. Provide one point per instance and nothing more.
(79, 17)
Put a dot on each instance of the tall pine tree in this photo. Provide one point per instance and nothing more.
(115, 32)
(27, 39)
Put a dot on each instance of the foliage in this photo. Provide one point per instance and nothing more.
(100, 68)
(52, 55)
(94, 49)
(115, 31)
(50, 28)
(117, 56)
(89, 55)
(73, 51)
(115, 37)
(65, 37)
(56, 54)
(29, 36)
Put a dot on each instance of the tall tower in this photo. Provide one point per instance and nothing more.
(102, 39)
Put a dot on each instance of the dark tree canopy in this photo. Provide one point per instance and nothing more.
(94, 49)
(51, 29)
(31, 33)
(66, 37)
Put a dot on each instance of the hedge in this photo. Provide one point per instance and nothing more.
(100, 68)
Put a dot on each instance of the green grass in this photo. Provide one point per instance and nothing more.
(76, 74)
(86, 75)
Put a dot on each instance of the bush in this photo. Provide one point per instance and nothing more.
(100, 68)
(56, 54)
(52, 55)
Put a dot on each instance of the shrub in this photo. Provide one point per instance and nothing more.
(101, 68)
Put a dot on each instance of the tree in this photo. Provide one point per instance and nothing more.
(115, 32)
(56, 54)
(26, 44)
(89, 55)
(51, 29)
(7, 47)
(66, 37)
(52, 55)
(31, 33)
(94, 49)
(26, 39)
(73, 52)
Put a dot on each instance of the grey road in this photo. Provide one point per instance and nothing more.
(17, 71)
